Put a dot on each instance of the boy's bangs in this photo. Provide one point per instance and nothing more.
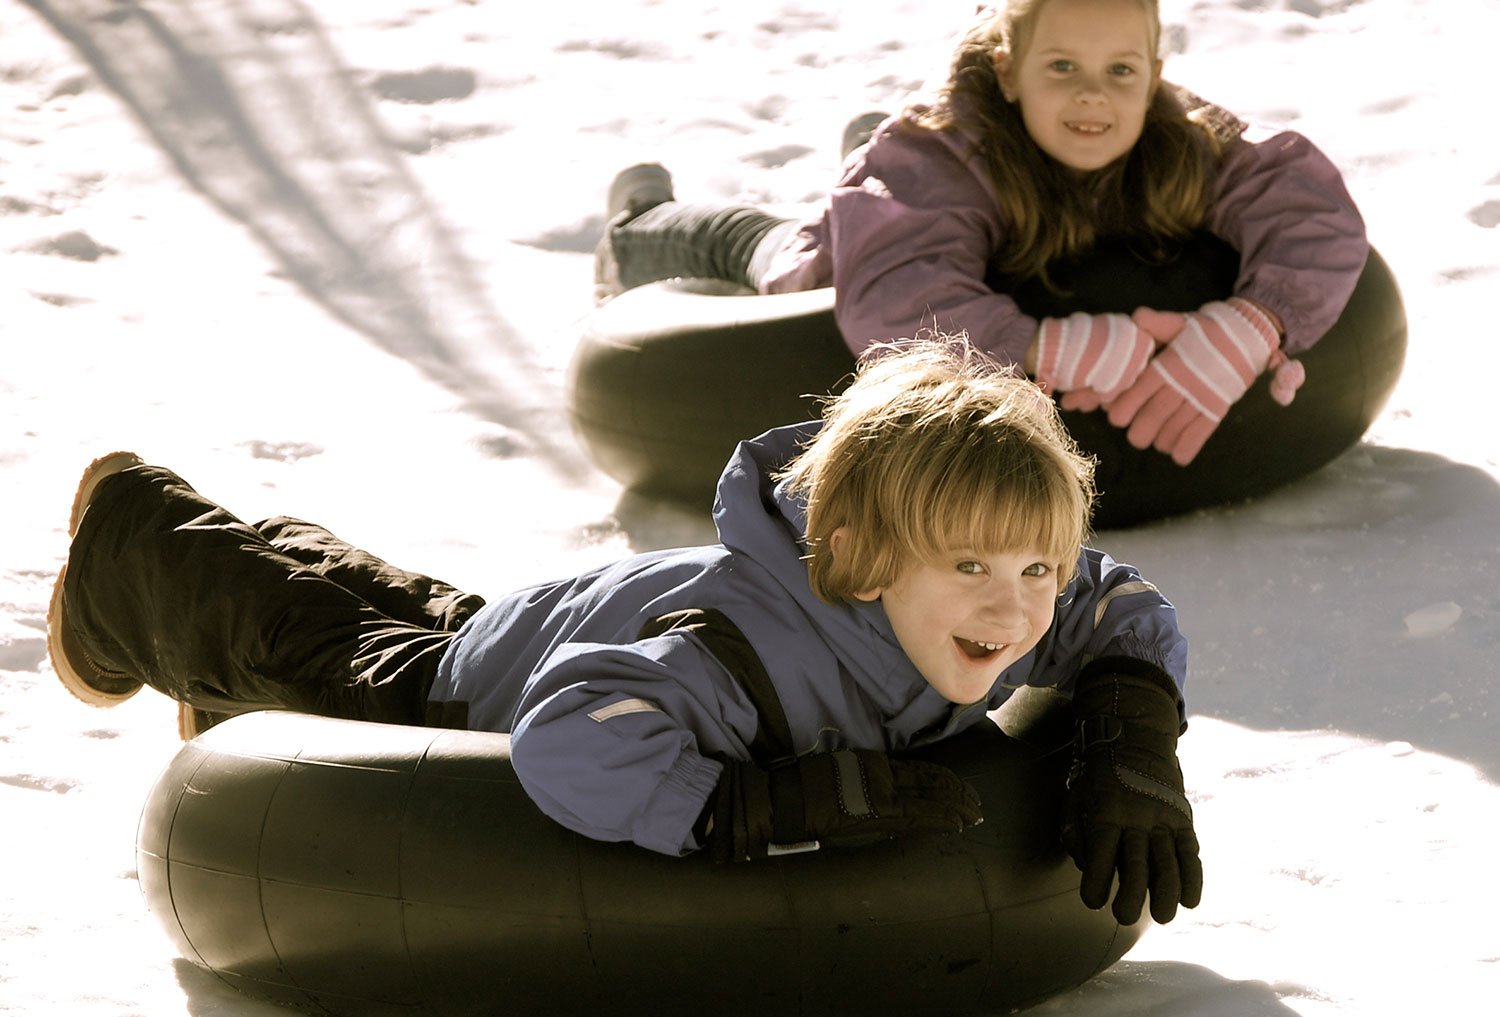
(1001, 517)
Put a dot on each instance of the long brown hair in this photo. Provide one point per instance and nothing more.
(1157, 191)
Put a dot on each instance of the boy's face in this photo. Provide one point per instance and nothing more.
(966, 619)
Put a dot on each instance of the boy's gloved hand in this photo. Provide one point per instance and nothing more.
(1097, 356)
(1125, 810)
(843, 798)
(1214, 355)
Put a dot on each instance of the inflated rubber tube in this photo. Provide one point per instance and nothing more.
(368, 869)
(665, 381)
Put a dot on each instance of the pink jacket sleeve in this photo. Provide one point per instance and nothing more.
(1282, 204)
(909, 232)
(905, 241)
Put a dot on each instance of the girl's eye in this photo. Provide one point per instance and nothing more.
(1122, 70)
(1037, 568)
(1060, 66)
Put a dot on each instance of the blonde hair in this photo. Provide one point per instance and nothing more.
(1157, 191)
(934, 447)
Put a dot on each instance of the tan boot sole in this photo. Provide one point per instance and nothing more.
(97, 471)
(69, 660)
(71, 663)
(192, 722)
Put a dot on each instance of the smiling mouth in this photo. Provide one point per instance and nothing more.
(1092, 129)
(976, 650)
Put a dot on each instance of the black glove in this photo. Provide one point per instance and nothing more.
(1126, 811)
(843, 798)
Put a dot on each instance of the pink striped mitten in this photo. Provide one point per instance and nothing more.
(1103, 353)
(1213, 356)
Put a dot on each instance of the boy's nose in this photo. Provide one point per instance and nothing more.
(1004, 609)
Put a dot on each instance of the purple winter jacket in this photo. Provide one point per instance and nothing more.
(618, 733)
(909, 230)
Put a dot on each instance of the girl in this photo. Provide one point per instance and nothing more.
(1053, 149)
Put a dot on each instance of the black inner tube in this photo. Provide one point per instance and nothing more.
(665, 382)
(357, 868)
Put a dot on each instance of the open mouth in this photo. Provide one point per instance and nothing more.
(975, 650)
(1088, 128)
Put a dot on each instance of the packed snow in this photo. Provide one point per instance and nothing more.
(328, 258)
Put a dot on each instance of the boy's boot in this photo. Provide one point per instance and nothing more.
(89, 680)
(633, 190)
(192, 722)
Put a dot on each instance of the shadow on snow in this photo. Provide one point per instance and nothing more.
(254, 108)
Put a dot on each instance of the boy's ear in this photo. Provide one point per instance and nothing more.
(836, 540)
(1001, 59)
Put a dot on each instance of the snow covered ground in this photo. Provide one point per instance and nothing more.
(326, 258)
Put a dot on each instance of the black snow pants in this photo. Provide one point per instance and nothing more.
(172, 589)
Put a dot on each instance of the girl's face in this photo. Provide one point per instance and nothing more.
(1084, 80)
(967, 618)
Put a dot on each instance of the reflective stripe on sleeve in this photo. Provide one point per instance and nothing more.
(622, 708)
(1136, 586)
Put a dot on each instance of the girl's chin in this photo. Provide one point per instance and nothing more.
(1081, 163)
(1082, 167)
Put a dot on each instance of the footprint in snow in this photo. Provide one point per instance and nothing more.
(1486, 215)
(74, 244)
(427, 86)
(35, 782)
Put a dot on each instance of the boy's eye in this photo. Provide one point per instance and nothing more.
(1122, 70)
(1037, 568)
(971, 568)
(1061, 66)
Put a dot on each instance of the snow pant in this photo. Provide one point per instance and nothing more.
(172, 589)
(733, 243)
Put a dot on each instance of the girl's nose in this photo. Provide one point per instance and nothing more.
(1090, 89)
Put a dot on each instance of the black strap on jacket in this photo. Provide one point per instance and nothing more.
(772, 744)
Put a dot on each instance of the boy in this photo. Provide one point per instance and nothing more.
(885, 577)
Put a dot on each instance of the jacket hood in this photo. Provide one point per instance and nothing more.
(758, 519)
(753, 513)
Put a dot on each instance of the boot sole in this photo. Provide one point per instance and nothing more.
(66, 653)
(192, 722)
(69, 661)
(98, 470)
(648, 180)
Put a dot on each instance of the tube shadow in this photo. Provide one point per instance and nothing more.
(1168, 989)
(1129, 989)
(252, 105)
(208, 995)
(1360, 599)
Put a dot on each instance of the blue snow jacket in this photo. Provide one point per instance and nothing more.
(621, 686)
